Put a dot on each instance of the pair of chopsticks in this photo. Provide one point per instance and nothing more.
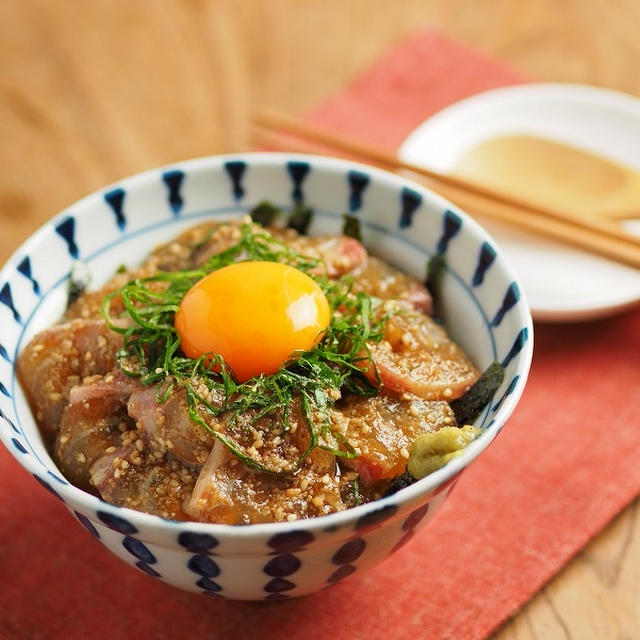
(603, 237)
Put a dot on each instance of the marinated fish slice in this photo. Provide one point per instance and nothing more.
(128, 477)
(59, 358)
(91, 423)
(340, 254)
(228, 492)
(168, 424)
(379, 279)
(418, 357)
(270, 442)
(382, 429)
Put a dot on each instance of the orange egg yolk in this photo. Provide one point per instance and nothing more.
(253, 314)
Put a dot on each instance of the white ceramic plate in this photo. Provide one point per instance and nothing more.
(562, 284)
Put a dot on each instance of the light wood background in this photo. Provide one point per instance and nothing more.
(91, 91)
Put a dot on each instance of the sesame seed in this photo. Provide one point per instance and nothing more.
(404, 453)
(110, 449)
(447, 393)
(326, 479)
(81, 458)
(292, 517)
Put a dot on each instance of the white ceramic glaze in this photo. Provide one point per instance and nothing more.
(401, 222)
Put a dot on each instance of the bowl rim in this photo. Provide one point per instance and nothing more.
(144, 522)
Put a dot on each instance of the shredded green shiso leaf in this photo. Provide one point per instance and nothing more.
(333, 367)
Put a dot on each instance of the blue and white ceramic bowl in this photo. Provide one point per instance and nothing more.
(401, 222)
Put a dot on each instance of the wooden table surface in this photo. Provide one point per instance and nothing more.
(93, 91)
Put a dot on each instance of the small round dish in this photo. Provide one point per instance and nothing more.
(563, 284)
(401, 221)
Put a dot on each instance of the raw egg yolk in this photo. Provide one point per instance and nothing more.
(253, 314)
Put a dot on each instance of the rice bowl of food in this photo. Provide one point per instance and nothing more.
(252, 376)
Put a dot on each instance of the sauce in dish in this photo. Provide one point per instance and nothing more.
(244, 375)
(553, 174)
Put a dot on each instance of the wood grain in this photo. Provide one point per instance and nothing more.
(93, 91)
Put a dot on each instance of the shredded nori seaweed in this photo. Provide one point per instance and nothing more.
(436, 268)
(79, 280)
(351, 227)
(400, 482)
(467, 408)
(300, 218)
(264, 213)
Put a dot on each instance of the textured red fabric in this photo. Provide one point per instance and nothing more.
(562, 468)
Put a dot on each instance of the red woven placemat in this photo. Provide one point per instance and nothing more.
(563, 467)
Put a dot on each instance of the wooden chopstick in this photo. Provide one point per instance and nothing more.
(624, 214)
(601, 237)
